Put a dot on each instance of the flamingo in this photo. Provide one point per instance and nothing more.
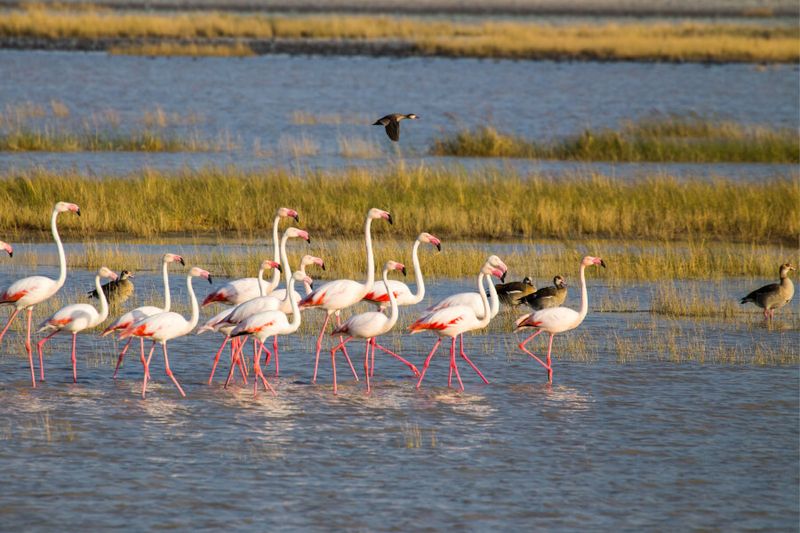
(75, 318)
(369, 325)
(144, 311)
(557, 319)
(7, 247)
(270, 323)
(307, 260)
(402, 293)
(453, 321)
(27, 292)
(164, 327)
(340, 294)
(474, 300)
(240, 290)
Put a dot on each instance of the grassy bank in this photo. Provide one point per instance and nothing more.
(522, 40)
(183, 49)
(661, 139)
(490, 204)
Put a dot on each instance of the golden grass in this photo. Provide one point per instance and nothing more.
(674, 301)
(298, 146)
(486, 204)
(359, 148)
(305, 118)
(640, 41)
(184, 49)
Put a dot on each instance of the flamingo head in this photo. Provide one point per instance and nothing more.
(412, 116)
(312, 260)
(7, 247)
(197, 272)
(559, 282)
(126, 274)
(379, 213)
(106, 273)
(286, 212)
(66, 206)
(269, 263)
(430, 239)
(173, 258)
(294, 232)
(302, 277)
(394, 265)
(589, 261)
(497, 264)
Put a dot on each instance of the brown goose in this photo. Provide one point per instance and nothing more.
(392, 124)
(775, 295)
(548, 296)
(513, 292)
(117, 291)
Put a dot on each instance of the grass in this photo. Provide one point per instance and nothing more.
(660, 138)
(359, 148)
(183, 49)
(673, 301)
(658, 41)
(489, 204)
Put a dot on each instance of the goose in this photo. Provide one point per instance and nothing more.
(547, 297)
(392, 124)
(775, 295)
(513, 292)
(118, 290)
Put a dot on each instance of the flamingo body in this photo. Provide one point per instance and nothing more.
(448, 321)
(552, 320)
(29, 291)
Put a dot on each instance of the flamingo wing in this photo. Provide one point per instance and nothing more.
(235, 292)
(447, 319)
(262, 324)
(378, 293)
(75, 317)
(470, 299)
(30, 290)
(162, 326)
(132, 316)
(252, 307)
(335, 295)
(213, 323)
(364, 325)
(552, 319)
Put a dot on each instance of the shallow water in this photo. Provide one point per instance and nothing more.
(644, 445)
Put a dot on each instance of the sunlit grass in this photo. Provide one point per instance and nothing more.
(669, 139)
(305, 118)
(674, 301)
(162, 48)
(359, 148)
(298, 146)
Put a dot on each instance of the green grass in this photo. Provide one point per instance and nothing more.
(661, 139)
(484, 205)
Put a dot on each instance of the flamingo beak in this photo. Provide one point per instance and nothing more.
(181, 261)
(78, 211)
(296, 217)
(10, 250)
(311, 285)
(403, 270)
(438, 245)
(389, 218)
(602, 263)
(322, 264)
(209, 279)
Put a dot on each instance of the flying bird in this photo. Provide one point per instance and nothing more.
(392, 124)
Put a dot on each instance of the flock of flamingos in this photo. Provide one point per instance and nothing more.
(256, 308)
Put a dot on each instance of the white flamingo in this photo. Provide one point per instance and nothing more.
(280, 294)
(402, 293)
(33, 290)
(240, 290)
(453, 321)
(267, 324)
(144, 311)
(164, 327)
(340, 294)
(74, 319)
(557, 319)
(369, 325)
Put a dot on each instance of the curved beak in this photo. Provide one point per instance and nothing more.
(322, 265)
(10, 253)
(602, 263)
(78, 211)
(439, 246)
(297, 217)
(181, 261)
(389, 218)
(403, 270)
(209, 279)
(311, 285)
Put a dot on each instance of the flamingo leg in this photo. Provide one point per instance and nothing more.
(275, 350)
(372, 366)
(344, 349)
(121, 355)
(450, 365)
(319, 345)
(333, 366)
(39, 347)
(169, 371)
(30, 350)
(259, 374)
(428, 361)
(522, 347)
(549, 363)
(8, 324)
(366, 364)
(141, 355)
(74, 360)
(216, 358)
(147, 369)
(470, 363)
(402, 360)
(235, 362)
(454, 365)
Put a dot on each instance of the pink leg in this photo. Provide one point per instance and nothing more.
(235, 361)
(428, 361)
(470, 363)
(275, 351)
(372, 366)
(259, 374)
(454, 365)
(147, 369)
(404, 361)
(216, 358)
(344, 349)
(366, 363)
(30, 350)
(450, 365)
(74, 360)
(141, 355)
(549, 363)
(333, 365)
(319, 346)
(169, 372)
(39, 346)
(8, 324)
(121, 355)
(526, 341)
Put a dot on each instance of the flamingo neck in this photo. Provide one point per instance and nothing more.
(292, 295)
(420, 294)
(195, 308)
(393, 314)
(487, 315)
(62, 259)
(167, 297)
(584, 297)
(276, 276)
(286, 270)
(494, 307)
(306, 286)
(370, 258)
(103, 301)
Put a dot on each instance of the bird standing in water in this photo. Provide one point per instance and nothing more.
(118, 290)
(547, 297)
(775, 295)
(392, 124)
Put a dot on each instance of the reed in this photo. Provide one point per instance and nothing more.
(489, 204)
(658, 41)
(359, 148)
(662, 139)
(165, 48)
(672, 301)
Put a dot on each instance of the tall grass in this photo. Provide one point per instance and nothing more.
(671, 138)
(486, 204)
(171, 48)
(641, 41)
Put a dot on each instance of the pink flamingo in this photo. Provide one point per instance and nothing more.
(75, 318)
(340, 294)
(144, 311)
(474, 300)
(369, 325)
(164, 327)
(280, 294)
(27, 292)
(270, 323)
(453, 321)
(557, 319)
(240, 290)
(7, 247)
